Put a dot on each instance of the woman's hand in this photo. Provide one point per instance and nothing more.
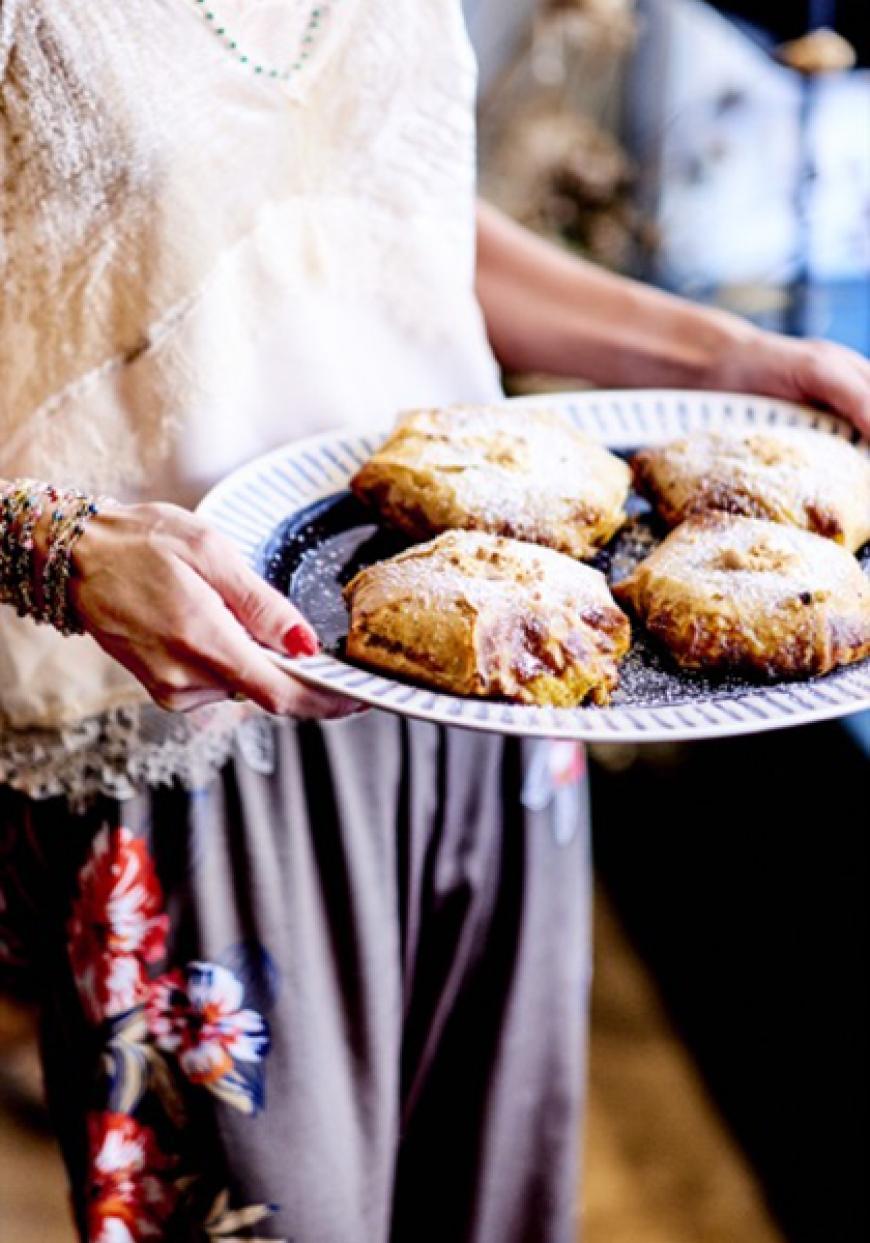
(173, 602)
(819, 373)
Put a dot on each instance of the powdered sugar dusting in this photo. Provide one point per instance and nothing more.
(794, 475)
(759, 564)
(316, 552)
(478, 569)
(528, 474)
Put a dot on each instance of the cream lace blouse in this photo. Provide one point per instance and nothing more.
(224, 225)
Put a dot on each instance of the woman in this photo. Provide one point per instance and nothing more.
(320, 982)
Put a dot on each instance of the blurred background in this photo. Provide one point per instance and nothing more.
(722, 151)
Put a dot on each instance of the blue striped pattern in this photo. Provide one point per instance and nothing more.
(254, 501)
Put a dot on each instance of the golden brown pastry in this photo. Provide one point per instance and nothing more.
(477, 614)
(800, 477)
(726, 592)
(520, 472)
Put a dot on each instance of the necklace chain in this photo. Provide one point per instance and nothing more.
(313, 29)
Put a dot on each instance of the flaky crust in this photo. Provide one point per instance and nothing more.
(477, 614)
(524, 473)
(799, 477)
(724, 592)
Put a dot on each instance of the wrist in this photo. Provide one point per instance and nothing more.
(737, 353)
(646, 337)
(39, 529)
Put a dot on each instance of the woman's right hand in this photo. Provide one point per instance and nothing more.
(174, 602)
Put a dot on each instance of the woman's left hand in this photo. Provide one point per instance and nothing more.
(819, 373)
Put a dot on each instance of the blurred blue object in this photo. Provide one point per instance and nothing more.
(859, 727)
(836, 310)
(496, 28)
(753, 176)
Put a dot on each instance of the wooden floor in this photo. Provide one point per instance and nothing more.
(659, 1168)
(33, 1203)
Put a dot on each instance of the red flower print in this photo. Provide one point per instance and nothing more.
(199, 1016)
(129, 1199)
(117, 924)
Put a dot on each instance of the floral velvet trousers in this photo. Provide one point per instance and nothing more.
(336, 996)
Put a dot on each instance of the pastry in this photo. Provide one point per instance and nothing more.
(800, 477)
(725, 592)
(522, 472)
(478, 614)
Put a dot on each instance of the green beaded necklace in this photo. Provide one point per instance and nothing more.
(313, 28)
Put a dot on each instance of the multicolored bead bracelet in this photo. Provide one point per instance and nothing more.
(23, 503)
(67, 526)
(21, 507)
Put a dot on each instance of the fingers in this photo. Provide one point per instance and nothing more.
(315, 705)
(204, 655)
(301, 704)
(188, 618)
(264, 613)
(270, 619)
(188, 700)
(837, 378)
(233, 661)
(230, 672)
(283, 695)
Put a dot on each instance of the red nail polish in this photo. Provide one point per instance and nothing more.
(300, 641)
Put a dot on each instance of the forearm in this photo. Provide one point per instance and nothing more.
(547, 311)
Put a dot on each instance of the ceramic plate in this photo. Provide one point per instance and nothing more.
(292, 517)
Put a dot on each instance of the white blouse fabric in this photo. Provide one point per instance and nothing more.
(219, 233)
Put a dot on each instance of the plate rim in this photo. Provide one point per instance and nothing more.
(689, 721)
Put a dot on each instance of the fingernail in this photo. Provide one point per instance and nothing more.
(300, 641)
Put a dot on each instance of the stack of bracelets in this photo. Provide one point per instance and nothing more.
(23, 503)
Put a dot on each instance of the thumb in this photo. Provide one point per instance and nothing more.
(266, 615)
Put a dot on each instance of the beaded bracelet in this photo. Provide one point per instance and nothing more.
(32, 507)
(21, 507)
(67, 526)
(22, 504)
